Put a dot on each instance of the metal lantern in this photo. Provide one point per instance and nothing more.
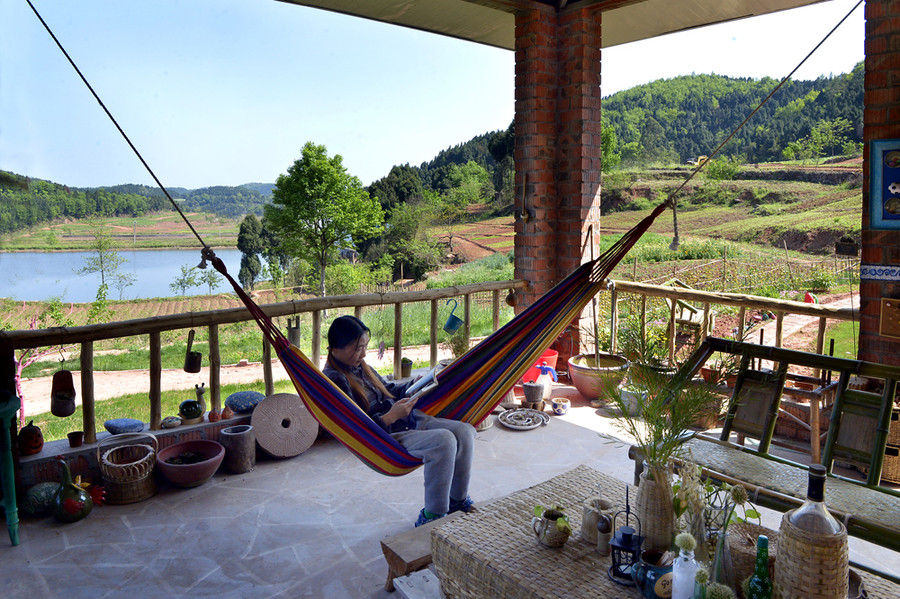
(625, 547)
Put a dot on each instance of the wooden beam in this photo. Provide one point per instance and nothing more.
(613, 321)
(316, 337)
(432, 333)
(467, 315)
(215, 365)
(268, 380)
(398, 339)
(495, 308)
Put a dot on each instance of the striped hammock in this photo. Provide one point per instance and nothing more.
(469, 388)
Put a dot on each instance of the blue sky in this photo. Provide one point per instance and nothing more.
(224, 92)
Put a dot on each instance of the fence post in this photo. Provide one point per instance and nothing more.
(432, 333)
(671, 332)
(820, 342)
(215, 363)
(267, 366)
(779, 325)
(155, 380)
(358, 312)
(613, 320)
(398, 338)
(87, 392)
(316, 337)
(495, 308)
(643, 318)
(467, 316)
(705, 331)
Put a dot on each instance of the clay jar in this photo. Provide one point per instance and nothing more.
(594, 507)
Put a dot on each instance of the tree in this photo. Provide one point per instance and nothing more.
(210, 278)
(318, 207)
(250, 269)
(105, 259)
(184, 281)
(250, 242)
(123, 280)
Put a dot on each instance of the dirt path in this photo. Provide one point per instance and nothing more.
(109, 384)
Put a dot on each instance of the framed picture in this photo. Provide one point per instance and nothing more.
(884, 184)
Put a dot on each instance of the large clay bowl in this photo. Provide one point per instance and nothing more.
(191, 475)
(591, 378)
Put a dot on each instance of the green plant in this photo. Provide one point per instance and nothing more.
(557, 513)
(723, 168)
(458, 343)
(650, 349)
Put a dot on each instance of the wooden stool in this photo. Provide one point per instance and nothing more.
(9, 405)
(409, 551)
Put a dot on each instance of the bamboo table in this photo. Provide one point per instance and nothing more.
(493, 552)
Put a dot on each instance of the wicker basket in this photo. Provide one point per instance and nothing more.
(810, 565)
(890, 470)
(127, 467)
(653, 506)
(894, 427)
(740, 556)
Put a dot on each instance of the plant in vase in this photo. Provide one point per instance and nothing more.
(551, 525)
(689, 501)
(645, 352)
(731, 498)
(658, 424)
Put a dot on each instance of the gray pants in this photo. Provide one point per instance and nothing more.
(446, 447)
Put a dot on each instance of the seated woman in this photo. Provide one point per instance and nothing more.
(445, 446)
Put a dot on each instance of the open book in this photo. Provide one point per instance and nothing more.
(423, 385)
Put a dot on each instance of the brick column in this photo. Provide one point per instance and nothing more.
(557, 154)
(881, 120)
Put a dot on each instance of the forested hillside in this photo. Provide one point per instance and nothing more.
(222, 200)
(25, 202)
(675, 120)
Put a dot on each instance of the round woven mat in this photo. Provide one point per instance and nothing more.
(284, 427)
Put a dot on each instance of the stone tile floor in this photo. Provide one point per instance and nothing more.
(309, 526)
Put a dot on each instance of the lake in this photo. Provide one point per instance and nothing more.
(44, 275)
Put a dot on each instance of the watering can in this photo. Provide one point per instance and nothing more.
(192, 359)
(453, 321)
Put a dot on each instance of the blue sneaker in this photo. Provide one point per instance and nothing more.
(425, 517)
(466, 505)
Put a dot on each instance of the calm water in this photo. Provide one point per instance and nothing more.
(44, 275)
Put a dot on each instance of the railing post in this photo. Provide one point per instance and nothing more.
(432, 333)
(643, 318)
(705, 331)
(215, 365)
(358, 312)
(155, 380)
(820, 342)
(316, 337)
(398, 338)
(779, 326)
(671, 332)
(613, 321)
(742, 319)
(495, 308)
(467, 319)
(87, 392)
(267, 366)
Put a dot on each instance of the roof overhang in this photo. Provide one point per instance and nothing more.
(492, 22)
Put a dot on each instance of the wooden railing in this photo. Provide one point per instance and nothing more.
(10, 341)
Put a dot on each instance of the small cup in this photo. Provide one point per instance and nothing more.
(76, 438)
(560, 405)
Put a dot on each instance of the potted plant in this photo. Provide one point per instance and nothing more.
(591, 372)
(658, 424)
(551, 525)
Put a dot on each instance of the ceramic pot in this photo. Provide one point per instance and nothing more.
(591, 377)
(653, 581)
(560, 405)
(191, 475)
(653, 506)
(76, 438)
(547, 532)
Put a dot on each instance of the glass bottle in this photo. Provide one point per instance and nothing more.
(684, 573)
(760, 585)
(813, 516)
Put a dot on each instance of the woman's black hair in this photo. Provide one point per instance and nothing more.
(345, 330)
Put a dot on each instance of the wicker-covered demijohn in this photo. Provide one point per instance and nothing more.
(126, 464)
(811, 565)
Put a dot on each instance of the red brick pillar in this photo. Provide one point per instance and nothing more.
(557, 155)
(881, 120)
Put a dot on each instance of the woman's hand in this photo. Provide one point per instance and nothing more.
(399, 410)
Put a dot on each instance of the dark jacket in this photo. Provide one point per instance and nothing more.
(379, 403)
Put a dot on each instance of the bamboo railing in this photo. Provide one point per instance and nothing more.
(152, 327)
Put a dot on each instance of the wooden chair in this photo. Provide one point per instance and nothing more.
(688, 318)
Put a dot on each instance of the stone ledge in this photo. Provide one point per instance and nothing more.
(42, 466)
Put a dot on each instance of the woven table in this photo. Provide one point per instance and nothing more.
(494, 553)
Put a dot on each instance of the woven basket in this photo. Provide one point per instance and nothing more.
(127, 469)
(814, 566)
(890, 470)
(894, 428)
(740, 555)
(653, 506)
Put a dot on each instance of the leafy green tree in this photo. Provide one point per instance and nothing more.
(100, 310)
(210, 278)
(318, 207)
(609, 146)
(403, 184)
(187, 279)
(104, 258)
(123, 280)
(250, 269)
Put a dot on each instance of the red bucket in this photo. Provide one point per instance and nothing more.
(549, 356)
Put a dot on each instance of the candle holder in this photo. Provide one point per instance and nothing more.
(625, 547)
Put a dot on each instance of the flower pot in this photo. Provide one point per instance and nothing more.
(76, 438)
(591, 377)
(194, 474)
(547, 532)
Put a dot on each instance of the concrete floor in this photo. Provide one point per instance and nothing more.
(309, 526)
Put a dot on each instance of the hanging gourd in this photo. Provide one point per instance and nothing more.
(62, 394)
(31, 439)
(192, 359)
(72, 503)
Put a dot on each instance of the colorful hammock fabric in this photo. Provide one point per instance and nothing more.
(469, 388)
